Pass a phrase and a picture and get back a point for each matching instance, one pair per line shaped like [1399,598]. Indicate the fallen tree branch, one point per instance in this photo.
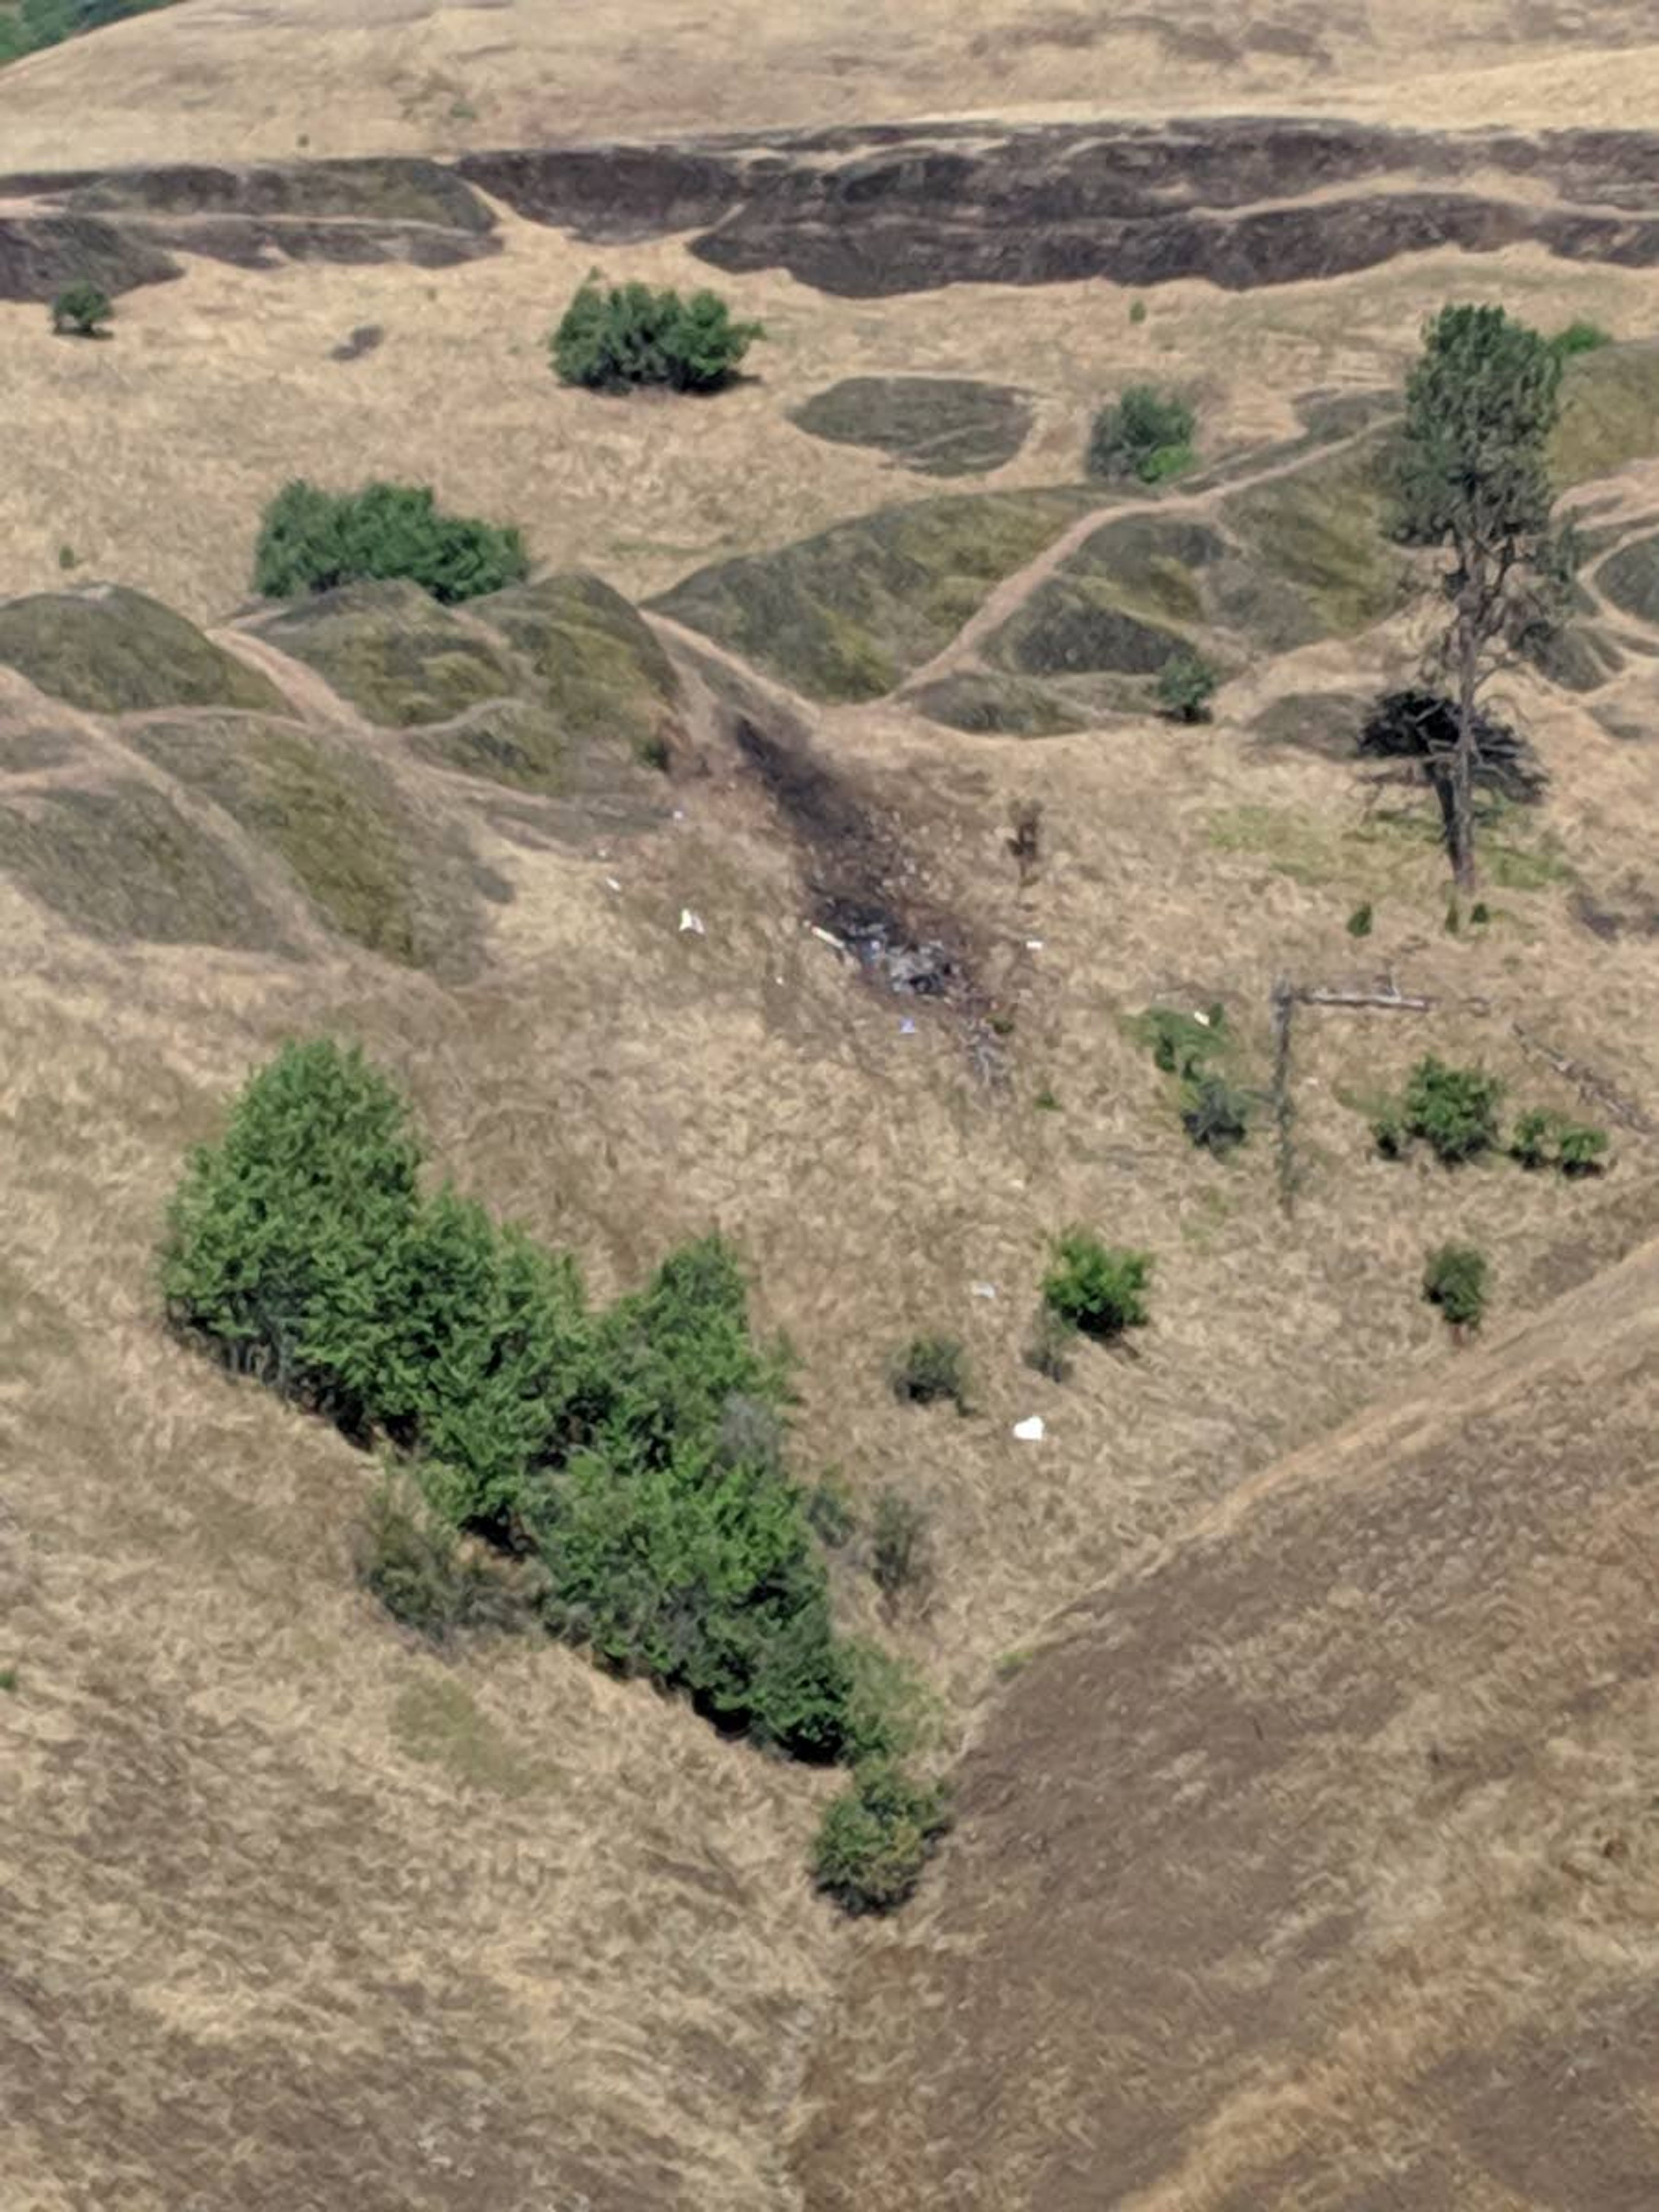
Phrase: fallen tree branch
[1588,1083]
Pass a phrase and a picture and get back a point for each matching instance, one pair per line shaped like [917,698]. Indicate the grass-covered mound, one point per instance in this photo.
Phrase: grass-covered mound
[597,671]
[939,426]
[1630,578]
[113,651]
[1609,412]
[989,705]
[634,1453]
[372,869]
[849,613]
[121,861]
[392,652]
[1321,532]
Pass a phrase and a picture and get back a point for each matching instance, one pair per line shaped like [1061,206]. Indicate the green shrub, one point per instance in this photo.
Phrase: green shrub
[876,1838]
[1054,1341]
[1455,1279]
[1098,1289]
[1147,434]
[829,1512]
[898,1543]
[1360,920]
[1186,685]
[1578,338]
[312,540]
[290,1244]
[627,336]
[1137,311]
[1542,1139]
[929,1368]
[1452,1110]
[80,311]
[1217,1114]
[636,1456]
[1181,1044]
[1581,1150]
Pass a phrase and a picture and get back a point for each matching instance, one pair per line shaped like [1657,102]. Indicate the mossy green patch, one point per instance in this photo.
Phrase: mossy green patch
[998,705]
[1077,624]
[393,652]
[1609,412]
[846,614]
[123,862]
[1320,531]
[335,818]
[1630,578]
[1385,855]
[113,651]
[599,676]
[438,1722]
[939,426]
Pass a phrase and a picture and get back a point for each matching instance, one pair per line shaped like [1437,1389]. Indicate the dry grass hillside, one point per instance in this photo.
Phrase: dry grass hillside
[298,1911]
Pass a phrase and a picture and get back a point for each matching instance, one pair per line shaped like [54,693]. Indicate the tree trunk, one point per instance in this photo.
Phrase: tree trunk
[1460,813]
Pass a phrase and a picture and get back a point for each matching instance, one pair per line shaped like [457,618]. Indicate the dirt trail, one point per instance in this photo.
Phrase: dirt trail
[1012,594]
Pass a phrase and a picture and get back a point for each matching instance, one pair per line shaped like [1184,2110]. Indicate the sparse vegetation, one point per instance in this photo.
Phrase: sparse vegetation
[1196,1049]
[1053,1345]
[1455,1279]
[1452,1110]
[1148,436]
[1098,1289]
[312,540]
[876,1838]
[1359,922]
[1579,336]
[931,1367]
[1186,685]
[619,337]
[9,1680]
[627,1452]
[81,311]
[425,1575]
[898,1543]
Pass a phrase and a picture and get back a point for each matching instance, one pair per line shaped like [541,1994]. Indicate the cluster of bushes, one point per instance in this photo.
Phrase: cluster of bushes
[1215,1111]
[622,337]
[1454,1111]
[1146,436]
[631,1458]
[312,540]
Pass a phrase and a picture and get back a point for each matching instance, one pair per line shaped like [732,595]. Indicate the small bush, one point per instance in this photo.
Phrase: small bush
[1455,1279]
[312,540]
[1360,920]
[1098,1289]
[1053,1345]
[1543,1139]
[876,1838]
[1137,311]
[1181,1044]
[898,1543]
[1452,1110]
[81,311]
[627,336]
[1186,685]
[929,1368]
[1581,1150]
[1217,1114]
[68,557]
[1147,434]
[1578,338]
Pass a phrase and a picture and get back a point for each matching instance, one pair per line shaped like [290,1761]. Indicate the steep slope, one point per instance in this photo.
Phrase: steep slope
[1318,1864]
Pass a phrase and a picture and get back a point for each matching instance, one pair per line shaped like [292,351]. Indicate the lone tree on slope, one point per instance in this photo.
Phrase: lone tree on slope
[1470,480]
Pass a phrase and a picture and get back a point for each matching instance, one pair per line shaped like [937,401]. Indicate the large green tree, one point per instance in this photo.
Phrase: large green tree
[1471,482]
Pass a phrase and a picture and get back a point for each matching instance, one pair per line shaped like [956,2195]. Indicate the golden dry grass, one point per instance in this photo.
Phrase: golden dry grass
[207,82]
[299,1915]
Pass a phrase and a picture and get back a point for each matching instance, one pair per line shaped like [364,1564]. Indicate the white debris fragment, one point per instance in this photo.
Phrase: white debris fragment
[907,1027]
[1201,1017]
[828,937]
[691,924]
[1034,945]
[611,884]
[1031,1431]
[985,1290]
